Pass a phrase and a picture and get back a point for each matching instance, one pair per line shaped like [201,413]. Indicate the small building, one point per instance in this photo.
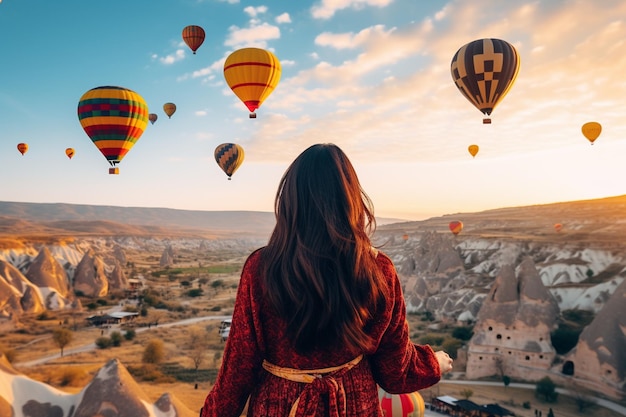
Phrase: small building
[118,317]
[465,408]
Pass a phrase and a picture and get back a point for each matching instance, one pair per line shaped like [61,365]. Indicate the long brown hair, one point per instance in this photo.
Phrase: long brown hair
[320,271]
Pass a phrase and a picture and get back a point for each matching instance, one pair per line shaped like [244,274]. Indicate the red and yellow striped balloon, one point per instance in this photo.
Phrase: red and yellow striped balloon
[401,405]
[114,118]
[229,156]
[252,74]
[456,227]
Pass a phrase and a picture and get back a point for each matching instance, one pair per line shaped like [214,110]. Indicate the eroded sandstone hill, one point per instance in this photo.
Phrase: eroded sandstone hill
[112,392]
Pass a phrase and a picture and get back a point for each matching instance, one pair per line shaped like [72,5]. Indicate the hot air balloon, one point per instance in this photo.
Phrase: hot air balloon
[558,227]
[153,117]
[229,157]
[169,109]
[69,152]
[456,227]
[473,150]
[401,405]
[592,130]
[405,236]
[484,71]
[193,37]
[252,74]
[22,147]
[114,118]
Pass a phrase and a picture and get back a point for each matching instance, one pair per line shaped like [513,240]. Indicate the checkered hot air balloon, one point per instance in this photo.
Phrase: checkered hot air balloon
[401,405]
[252,74]
[114,118]
[484,71]
[229,156]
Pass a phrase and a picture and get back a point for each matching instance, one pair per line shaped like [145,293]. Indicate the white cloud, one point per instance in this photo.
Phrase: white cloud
[252,36]
[255,11]
[350,40]
[283,18]
[200,113]
[171,58]
[327,8]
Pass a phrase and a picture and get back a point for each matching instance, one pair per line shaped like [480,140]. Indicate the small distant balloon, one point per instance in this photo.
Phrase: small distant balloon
[558,227]
[69,152]
[591,130]
[456,227]
[193,37]
[22,147]
[229,157]
[169,109]
[152,117]
[473,150]
[405,237]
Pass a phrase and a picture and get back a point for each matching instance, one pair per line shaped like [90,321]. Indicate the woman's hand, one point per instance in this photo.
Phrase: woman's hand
[445,361]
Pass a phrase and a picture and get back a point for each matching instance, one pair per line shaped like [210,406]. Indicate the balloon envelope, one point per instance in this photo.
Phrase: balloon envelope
[114,118]
[153,117]
[473,149]
[22,147]
[193,37]
[456,227]
[252,74]
[401,405]
[558,227]
[169,109]
[484,71]
[229,157]
[69,152]
[592,130]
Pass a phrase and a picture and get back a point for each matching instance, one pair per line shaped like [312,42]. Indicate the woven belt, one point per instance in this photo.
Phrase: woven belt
[324,380]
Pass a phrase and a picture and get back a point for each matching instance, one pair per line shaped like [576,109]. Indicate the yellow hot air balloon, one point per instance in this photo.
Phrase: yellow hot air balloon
[592,130]
[229,156]
[69,152]
[473,150]
[252,74]
[22,147]
[169,109]
[484,71]
[114,118]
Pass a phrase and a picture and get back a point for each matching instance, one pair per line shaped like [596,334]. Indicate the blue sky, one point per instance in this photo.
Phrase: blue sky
[372,76]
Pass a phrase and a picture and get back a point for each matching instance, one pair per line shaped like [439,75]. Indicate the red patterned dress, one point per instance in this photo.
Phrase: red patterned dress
[257,334]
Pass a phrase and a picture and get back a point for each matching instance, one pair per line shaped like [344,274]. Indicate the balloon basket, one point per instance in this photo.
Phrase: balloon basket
[114,171]
[487,121]
[253,115]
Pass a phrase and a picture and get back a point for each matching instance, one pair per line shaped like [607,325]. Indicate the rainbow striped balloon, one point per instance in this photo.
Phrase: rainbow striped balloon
[114,118]
[401,405]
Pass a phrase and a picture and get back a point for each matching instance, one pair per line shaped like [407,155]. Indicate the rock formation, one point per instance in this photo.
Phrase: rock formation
[90,276]
[512,332]
[167,258]
[599,359]
[46,271]
[113,393]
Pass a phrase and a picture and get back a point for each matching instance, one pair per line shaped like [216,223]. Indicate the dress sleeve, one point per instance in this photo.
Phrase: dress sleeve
[241,363]
[399,365]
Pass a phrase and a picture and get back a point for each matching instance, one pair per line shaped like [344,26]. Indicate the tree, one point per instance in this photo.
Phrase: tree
[62,337]
[197,349]
[116,338]
[550,412]
[467,393]
[547,389]
[154,352]
[506,380]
